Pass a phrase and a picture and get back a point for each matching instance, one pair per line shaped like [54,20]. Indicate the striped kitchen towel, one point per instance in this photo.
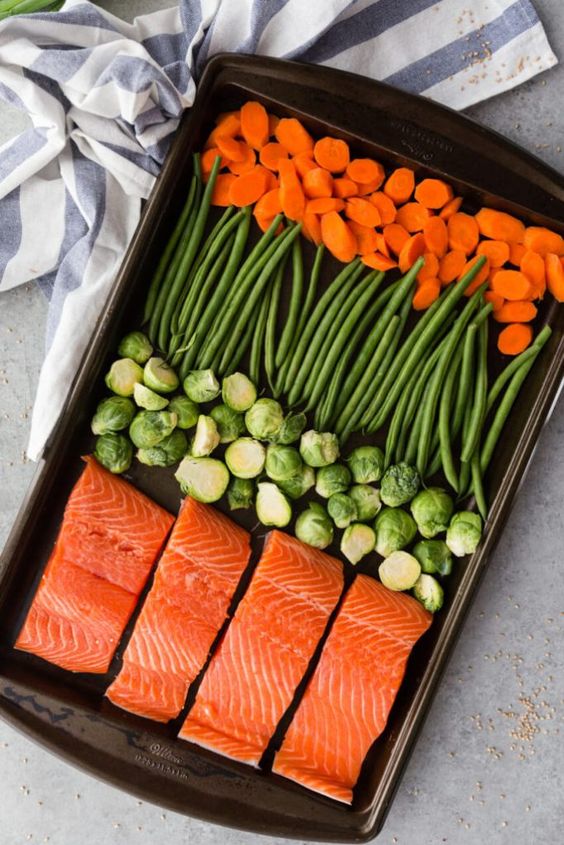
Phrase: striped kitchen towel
[105,96]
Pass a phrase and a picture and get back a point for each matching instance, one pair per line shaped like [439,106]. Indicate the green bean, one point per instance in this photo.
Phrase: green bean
[243,346]
[219,294]
[445,456]
[295,305]
[272,319]
[170,249]
[415,347]
[395,429]
[235,331]
[308,330]
[465,468]
[479,398]
[258,340]
[515,364]
[477,485]
[188,257]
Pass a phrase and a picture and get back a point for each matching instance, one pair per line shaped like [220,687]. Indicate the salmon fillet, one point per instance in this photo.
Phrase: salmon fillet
[110,537]
[194,585]
[348,700]
[264,655]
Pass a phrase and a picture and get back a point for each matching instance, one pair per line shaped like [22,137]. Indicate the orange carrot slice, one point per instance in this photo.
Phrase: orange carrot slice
[396,237]
[382,246]
[516,253]
[294,136]
[268,205]
[541,240]
[400,185]
[512,285]
[332,154]
[231,148]
[500,226]
[292,198]
[344,188]
[324,205]
[451,266]
[385,206]
[515,312]
[426,293]
[433,193]
[378,261]
[533,266]
[555,276]
[207,160]
[362,211]
[271,154]
[365,170]
[303,162]
[430,269]
[254,124]
[249,187]
[412,216]
[450,208]
[411,251]
[338,237]
[222,189]
[496,251]
[514,338]
[436,236]
[366,238]
[364,190]
[311,227]
[318,183]
[240,167]
[229,125]
[496,300]
[463,232]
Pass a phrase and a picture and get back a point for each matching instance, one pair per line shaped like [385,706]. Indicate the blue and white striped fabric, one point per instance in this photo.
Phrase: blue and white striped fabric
[104,98]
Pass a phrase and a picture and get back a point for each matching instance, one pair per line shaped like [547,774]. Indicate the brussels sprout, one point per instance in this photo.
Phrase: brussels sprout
[159,376]
[136,346]
[230,424]
[314,527]
[434,557]
[205,479]
[114,451]
[399,571]
[395,529]
[429,592]
[245,457]
[332,479]
[319,448]
[432,509]
[357,542]
[291,428]
[148,399]
[366,464]
[186,411]
[240,493]
[201,386]
[342,509]
[168,452]
[367,501]
[464,533]
[206,437]
[238,392]
[123,376]
[282,462]
[272,506]
[150,427]
[298,485]
[112,414]
[264,419]
[399,484]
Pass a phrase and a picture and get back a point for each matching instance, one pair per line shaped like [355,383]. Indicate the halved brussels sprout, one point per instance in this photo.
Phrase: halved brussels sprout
[399,484]
[291,428]
[136,346]
[342,509]
[399,571]
[114,451]
[395,529]
[272,506]
[366,464]
[148,399]
[264,419]
[186,411]
[112,414]
[201,386]
[123,376]
[240,493]
[434,556]
[150,427]
[238,392]
[245,457]
[464,533]
[282,462]
[319,448]
[314,527]
[230,424]
[168,452]
[429,592]
[367,501]
[206,437]
[298,485]
[205,479]
[432,509]
[357,541]
[334,478]
[159,376]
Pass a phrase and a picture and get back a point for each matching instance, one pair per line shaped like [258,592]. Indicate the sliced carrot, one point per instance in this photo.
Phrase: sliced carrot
[541,240]
[364,190]
[271,154]
[332,154]
[222,189]
[516,312]
[362,211]
[514,338]
[292,198]
[207,160]
[344,188]
[229,125]
[311,227]
[512,285]
[378,261]
[338,237]
[254,124]
[411,251]
[400,185]
[430,269]
[231,148]
[463,233]
[268,205]
[294,136]
[436,236]
[555,276]
[273,122]
[303,162]
[263,221]
[426,293]
[480,277]
[382,246]
[433,193]
[318,183]
[533,266]
[496,251]
[412,216]
[324,205]
[396,237]
[451,266]
[366,238]
[450,208]
[516,253]
[271,180]
[365,170]
[240,167]
[500,226]
[249,187]
[385,206]
[496,300]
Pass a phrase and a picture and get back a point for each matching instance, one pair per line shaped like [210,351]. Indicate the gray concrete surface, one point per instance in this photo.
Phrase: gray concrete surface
[488,766]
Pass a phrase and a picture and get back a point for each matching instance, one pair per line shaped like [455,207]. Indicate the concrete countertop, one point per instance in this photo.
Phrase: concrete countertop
[488,764]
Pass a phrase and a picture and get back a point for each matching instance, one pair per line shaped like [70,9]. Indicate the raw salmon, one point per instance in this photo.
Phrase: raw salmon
[108,542]
[188,603]
[347,702]
[253,676]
